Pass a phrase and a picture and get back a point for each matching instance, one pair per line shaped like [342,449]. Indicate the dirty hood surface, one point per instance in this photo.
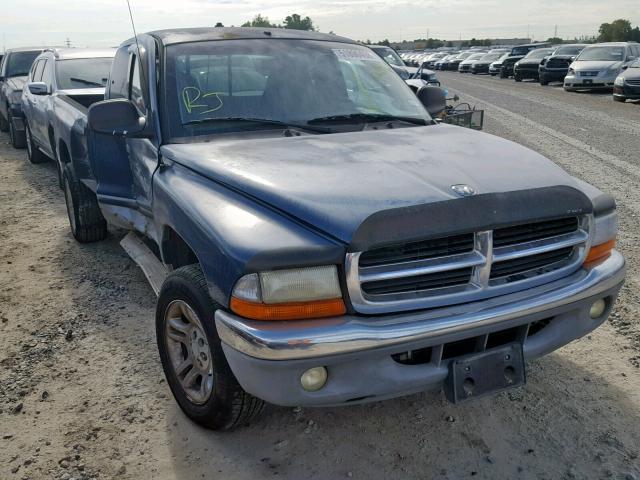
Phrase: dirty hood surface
[334,182]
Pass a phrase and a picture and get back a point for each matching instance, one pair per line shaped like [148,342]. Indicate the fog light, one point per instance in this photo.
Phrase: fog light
[314,379]
[598,308]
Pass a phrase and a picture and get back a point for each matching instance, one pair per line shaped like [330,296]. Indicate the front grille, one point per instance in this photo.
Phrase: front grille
[418,283]
[514,270]
[558,63]
[589,74]
[414,251]
[467,267]
[534,231]
[635,83]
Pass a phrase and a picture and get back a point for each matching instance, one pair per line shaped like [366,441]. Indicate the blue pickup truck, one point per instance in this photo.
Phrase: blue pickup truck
[324,241]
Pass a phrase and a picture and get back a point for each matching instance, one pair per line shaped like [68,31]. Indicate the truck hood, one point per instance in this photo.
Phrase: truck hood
[595,64]
[334,182]
[17,83]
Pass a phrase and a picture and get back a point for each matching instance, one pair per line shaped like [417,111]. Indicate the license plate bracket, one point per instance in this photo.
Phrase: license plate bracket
[485,373]
[587,81]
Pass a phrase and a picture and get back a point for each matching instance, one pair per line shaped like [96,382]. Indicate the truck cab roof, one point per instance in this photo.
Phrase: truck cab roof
[186,35]
[77,53]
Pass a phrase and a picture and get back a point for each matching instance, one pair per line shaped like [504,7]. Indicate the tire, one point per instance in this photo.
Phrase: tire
[4,125]
[567,89]
[493,74]
[184,323]
[503,74]
[85,218]
[517,77]
[619,99]
[34,154]
[543,80]
[17,140]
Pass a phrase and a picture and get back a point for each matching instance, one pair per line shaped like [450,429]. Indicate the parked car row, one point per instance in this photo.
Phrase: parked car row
[314,236]
[605,66]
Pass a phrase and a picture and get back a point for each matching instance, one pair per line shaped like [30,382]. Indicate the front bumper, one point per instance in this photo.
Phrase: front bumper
[526,72]
[599,82]
[268,358]
[553,74]
[631,92]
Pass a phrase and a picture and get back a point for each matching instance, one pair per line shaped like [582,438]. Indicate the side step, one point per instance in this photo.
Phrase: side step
[152,268]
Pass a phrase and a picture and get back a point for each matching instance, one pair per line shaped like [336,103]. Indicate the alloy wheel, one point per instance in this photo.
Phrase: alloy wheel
[189,351]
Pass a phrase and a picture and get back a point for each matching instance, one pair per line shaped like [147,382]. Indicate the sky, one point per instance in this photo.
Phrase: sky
[101,23]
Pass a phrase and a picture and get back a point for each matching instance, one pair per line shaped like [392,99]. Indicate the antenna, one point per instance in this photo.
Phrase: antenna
[133,26]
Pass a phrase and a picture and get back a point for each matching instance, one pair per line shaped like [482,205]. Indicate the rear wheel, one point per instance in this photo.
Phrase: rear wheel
[33,152]
[619,99]
[17,139]
[194,364]
[4,124]
[85,218]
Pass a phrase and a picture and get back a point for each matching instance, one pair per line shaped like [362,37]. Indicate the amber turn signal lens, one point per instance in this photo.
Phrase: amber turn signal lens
[600,252]
[288,311]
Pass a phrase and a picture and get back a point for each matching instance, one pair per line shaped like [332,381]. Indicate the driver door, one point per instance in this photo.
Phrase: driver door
[124,167]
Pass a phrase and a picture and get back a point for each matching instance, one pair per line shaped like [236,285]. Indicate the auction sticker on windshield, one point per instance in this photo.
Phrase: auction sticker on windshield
[354,54]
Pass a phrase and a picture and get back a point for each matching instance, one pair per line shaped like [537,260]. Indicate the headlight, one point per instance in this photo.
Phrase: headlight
[619,81]
[300,293]
[571,71]
[604,237]
[613,70]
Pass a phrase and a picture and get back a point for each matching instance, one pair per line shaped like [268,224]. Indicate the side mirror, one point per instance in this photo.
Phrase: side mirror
[117,117]
[433,98]
[38,88]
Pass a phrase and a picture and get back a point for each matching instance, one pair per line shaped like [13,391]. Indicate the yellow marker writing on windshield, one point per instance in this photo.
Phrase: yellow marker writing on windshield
[191,95]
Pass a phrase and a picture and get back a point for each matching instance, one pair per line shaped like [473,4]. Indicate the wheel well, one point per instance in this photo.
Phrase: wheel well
[175,251]
[65,157]
[52,141]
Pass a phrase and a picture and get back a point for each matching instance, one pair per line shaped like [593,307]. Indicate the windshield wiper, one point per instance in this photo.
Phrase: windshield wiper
[86,82]
[18,74]
[264,121]
[367,117]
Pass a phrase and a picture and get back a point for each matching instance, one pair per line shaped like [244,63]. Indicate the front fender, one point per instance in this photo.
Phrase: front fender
[233,235]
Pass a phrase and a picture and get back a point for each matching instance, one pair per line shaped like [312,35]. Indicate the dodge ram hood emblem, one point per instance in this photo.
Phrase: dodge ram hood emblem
[463,190]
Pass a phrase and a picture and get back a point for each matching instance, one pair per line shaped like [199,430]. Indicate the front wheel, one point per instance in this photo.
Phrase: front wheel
[543,80]
[191,352]
[17,139]
[85,218]
[619,99]
[34,154]
[517,77]
[4,124]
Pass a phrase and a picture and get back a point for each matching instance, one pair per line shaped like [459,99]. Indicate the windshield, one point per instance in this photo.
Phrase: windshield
[219,86]
[568,51]
[602,54]
[539,53]
[19,63]
[389,56]
[476,56]
[635,64]
[490,57]
[83,73]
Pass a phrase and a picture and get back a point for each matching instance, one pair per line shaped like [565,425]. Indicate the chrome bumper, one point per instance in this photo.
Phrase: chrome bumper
[335,336]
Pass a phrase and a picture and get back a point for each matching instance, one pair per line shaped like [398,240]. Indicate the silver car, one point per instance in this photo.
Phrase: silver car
[597,66]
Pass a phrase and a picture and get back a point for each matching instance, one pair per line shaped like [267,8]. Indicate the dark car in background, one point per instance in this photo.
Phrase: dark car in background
[517,54]
[555,67]
[527,68]
[627,84]
[454,63]
[390,56]
[482,64]
[496,67]
[14,69]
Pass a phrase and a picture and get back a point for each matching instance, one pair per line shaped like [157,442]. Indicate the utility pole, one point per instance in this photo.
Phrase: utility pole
[68,43]
[555,32]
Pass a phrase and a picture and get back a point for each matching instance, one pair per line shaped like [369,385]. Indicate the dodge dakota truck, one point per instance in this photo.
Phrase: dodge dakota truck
[14,68]
[61,86]
[324,241]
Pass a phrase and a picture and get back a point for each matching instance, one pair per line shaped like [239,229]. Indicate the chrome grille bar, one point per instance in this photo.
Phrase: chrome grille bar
[479,262]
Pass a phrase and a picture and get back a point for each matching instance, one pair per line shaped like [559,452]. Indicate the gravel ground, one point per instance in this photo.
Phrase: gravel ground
[82,393]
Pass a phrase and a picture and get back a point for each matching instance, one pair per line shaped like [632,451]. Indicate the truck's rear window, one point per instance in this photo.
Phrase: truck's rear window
[279,80]
[81,73]
[19,63]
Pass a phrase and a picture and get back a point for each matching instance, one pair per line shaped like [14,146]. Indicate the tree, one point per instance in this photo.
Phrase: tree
[260,22]
[296,22]
[219,24]
[555,40]
[617,31]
